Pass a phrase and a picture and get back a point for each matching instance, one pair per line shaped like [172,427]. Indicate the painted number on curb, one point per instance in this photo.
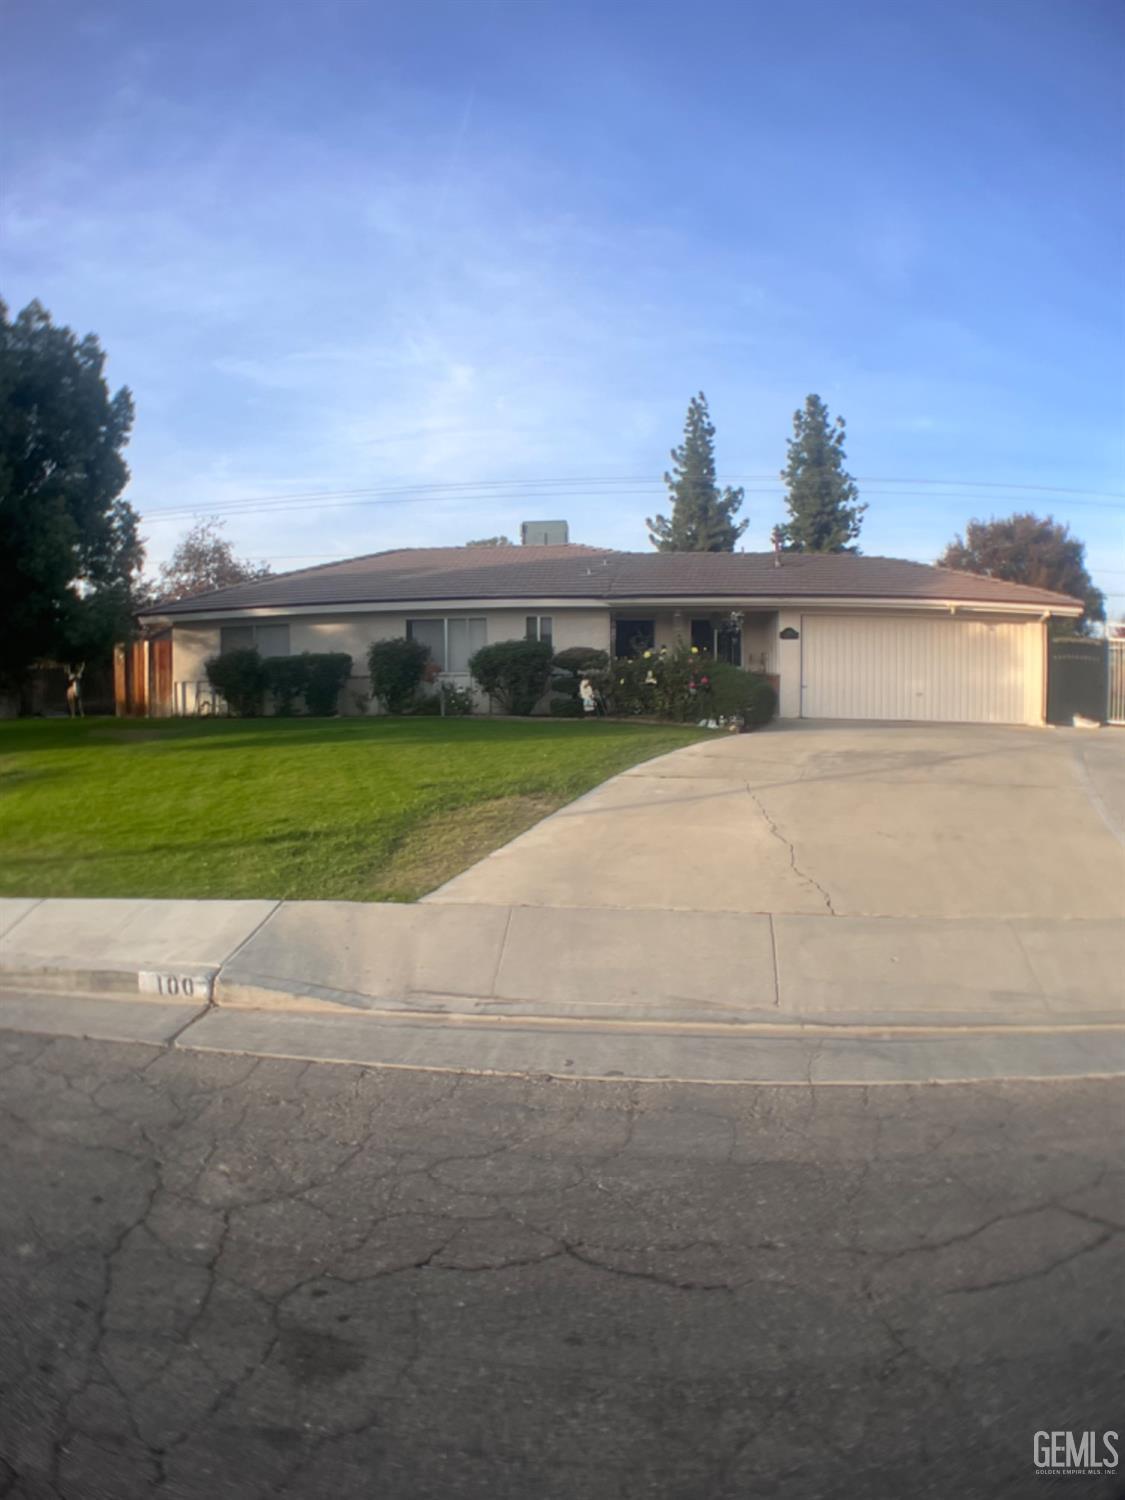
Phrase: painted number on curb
[175,986]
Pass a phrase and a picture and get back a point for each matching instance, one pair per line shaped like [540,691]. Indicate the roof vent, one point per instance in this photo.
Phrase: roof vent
[544,533]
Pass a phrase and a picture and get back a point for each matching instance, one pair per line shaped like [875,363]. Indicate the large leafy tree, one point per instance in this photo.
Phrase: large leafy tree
[823,501]
[203,560]
[69,549]
[703,515]
[1035,550]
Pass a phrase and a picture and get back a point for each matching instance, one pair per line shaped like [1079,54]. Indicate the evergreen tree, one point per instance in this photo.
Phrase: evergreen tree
[702,515]
[69,548]
[821,495]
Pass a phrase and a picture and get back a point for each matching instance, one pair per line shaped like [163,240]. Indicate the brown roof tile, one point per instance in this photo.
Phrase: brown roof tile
[437,574]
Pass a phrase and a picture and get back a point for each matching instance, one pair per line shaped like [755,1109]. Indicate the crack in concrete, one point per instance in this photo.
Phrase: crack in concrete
[793,865]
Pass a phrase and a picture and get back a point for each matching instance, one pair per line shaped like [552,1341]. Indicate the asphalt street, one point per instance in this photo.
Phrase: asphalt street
[229,1277]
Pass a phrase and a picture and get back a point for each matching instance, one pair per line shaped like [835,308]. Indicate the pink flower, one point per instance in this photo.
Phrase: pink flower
[706,681]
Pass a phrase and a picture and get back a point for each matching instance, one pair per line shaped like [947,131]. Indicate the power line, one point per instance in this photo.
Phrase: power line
[545,487]
[283,506]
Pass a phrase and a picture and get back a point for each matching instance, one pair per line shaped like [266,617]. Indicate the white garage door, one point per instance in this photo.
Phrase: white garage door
[911,667]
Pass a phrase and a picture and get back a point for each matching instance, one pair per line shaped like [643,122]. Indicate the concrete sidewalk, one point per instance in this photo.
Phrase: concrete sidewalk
[720,996]
[822,887]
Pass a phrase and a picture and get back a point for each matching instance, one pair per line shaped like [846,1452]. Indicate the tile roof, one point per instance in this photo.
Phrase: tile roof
[437,574]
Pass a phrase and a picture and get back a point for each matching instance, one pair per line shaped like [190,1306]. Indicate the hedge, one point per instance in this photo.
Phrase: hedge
[240,676]
[397,667]
[515,673]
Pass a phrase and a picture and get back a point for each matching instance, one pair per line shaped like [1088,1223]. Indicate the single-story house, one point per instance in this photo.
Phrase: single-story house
[842,636]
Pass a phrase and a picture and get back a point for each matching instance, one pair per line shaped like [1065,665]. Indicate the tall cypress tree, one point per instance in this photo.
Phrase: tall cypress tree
[702,515]
[822,497]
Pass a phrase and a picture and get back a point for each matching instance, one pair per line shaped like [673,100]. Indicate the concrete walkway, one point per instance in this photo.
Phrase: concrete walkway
[856,900]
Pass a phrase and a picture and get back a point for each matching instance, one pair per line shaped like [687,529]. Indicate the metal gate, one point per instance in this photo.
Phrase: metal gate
[1077,679]
[1115,707]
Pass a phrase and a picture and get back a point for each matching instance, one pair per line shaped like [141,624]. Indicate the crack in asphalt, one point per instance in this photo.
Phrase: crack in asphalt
[477,1195]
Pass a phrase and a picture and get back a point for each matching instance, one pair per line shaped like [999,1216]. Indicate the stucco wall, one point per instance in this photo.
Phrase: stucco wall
[355,633]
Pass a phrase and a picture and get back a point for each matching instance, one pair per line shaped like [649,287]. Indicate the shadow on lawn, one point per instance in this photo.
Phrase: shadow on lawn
[298,842]
[20,736]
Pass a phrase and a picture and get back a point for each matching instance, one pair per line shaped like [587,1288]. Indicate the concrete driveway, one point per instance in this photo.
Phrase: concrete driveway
[839,819]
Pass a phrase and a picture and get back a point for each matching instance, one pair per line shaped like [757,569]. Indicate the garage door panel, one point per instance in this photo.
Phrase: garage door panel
[958,671]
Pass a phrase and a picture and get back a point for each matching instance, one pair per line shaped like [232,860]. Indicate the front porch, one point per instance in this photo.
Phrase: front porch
[744,638]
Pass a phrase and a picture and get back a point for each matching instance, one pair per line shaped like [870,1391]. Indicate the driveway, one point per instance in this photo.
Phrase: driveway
[839,819]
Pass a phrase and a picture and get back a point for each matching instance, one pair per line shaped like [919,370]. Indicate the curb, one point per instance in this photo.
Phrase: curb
[605,991]
[621,1052]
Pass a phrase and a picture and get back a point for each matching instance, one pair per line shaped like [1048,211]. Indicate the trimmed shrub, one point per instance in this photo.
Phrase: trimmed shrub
[761,703]
[561,707]
[240,676]
[730,687]
[581,660]
[570,666]
[515,673]
[315,676]
[285,678]
[327,671]
[736,694]
[397,667]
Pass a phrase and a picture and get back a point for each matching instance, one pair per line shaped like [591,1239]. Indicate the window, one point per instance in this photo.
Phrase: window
[540,628]
[728,644]
[703,636]
[429,633]
[271,640]
[463,637]
[632,637]
[451,642]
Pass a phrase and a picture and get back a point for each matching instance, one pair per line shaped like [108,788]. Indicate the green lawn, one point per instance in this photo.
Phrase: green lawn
[306,809]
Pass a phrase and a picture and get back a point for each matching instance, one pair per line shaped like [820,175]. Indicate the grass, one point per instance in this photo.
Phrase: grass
[302,809]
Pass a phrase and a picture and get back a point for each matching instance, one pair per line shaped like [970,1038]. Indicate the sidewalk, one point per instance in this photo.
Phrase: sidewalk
[859,903]
[672,990]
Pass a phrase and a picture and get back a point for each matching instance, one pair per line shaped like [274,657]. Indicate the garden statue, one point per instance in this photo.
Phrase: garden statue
[588,696]
[74,691]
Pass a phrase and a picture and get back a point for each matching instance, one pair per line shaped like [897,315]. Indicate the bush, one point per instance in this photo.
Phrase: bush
[660,684]
[730,687]
[684,685]
[458,702]
[397,667]
[561,707]
[326,673]
[240,676]
[316,676]
[570,666]
[285,678]
[515,673]
[761,705]
[581,660]
[736,694]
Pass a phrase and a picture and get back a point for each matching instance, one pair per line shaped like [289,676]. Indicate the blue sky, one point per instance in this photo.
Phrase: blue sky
[472,259]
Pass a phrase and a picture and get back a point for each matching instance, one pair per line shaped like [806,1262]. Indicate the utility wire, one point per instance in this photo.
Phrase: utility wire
[284,504]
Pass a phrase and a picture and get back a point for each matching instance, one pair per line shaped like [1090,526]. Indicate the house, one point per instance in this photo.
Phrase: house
[842,636]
